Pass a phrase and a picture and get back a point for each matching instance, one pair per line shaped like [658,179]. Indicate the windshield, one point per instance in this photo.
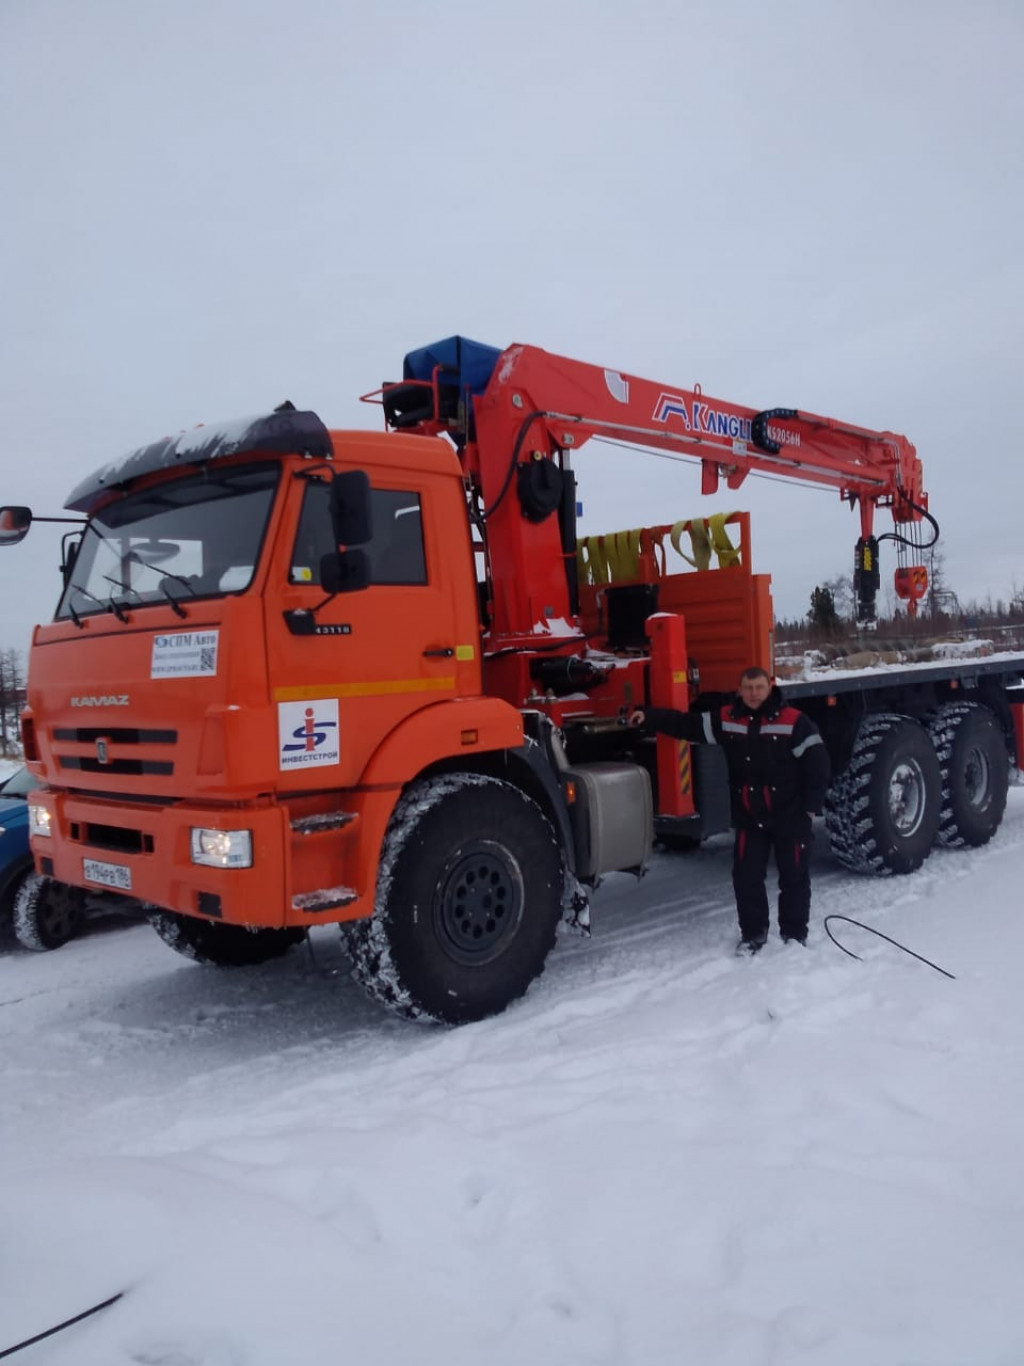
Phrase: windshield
[196,537]
[19,784]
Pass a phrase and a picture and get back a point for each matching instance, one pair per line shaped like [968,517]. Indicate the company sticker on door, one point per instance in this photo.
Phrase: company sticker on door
[185,654]
[308,733]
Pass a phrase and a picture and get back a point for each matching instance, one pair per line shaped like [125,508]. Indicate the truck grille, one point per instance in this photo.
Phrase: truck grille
[129,766]
[106,741]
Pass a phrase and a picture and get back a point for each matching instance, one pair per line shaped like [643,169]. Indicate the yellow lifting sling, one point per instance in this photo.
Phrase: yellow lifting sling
[615,557]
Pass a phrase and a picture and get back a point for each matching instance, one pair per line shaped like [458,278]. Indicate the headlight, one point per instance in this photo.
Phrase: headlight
[39,820]
[222,848]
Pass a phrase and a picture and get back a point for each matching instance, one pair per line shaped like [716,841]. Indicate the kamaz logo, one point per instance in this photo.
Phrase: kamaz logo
[111,700]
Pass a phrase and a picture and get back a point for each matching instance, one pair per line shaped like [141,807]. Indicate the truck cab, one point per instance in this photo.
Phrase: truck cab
[202,696]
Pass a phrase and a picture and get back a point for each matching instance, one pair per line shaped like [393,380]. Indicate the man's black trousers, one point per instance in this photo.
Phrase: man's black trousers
[791,844]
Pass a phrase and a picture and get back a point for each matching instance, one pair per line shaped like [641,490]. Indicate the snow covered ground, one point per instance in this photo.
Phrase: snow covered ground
[663,1155]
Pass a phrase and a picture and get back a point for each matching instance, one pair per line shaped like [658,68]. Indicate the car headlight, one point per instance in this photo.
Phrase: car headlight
[222,848]
[39,820]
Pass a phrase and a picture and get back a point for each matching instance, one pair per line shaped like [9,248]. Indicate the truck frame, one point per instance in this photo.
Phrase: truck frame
[300,676]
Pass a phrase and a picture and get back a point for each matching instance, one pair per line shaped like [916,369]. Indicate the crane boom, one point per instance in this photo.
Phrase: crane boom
[517,416]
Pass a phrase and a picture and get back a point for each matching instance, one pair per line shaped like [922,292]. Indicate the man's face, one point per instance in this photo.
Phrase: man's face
[754,691]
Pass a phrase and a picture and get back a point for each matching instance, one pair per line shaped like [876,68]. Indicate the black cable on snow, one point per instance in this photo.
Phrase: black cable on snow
[18,1346]
[871,930]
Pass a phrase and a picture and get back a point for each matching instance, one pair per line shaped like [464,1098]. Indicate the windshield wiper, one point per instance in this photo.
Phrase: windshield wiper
[175,604]
[178,578]
[127,588]
[133,557]
[110,605]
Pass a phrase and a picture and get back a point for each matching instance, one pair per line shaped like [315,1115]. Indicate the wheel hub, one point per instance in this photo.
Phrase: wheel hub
[907,797]
[479,902]
[978,780]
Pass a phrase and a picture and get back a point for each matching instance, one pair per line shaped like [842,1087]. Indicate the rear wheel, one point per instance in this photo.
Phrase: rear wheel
[882,812]
[222,946]
[47,913]
[975,768]
[468,901]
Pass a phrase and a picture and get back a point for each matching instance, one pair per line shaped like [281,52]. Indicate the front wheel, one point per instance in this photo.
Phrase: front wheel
[47,913]
[468,901]
[222,946]
[882,812]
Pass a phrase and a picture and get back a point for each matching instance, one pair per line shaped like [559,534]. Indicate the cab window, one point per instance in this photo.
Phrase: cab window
[396,551]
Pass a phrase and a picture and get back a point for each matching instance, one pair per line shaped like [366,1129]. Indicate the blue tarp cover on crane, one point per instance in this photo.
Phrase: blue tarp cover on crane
[471,362]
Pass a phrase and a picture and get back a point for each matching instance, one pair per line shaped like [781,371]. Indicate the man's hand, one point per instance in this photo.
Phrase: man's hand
[637,717]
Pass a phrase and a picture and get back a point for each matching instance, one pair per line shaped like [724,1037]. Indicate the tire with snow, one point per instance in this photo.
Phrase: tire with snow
[16,879]
[47,913]
[975,768]
[882,812]
[468,901]
[222,946]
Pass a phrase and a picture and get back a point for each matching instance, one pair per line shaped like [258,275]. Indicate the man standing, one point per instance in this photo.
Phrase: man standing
[778,776]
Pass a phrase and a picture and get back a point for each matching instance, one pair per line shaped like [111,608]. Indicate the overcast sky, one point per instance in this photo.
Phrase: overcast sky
[211,205]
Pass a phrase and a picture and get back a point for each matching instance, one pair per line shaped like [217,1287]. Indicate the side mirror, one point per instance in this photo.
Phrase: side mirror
[346,571]
[14,524]
[351,510]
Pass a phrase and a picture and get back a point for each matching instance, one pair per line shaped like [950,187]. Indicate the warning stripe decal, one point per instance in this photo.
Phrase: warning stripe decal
[370,688]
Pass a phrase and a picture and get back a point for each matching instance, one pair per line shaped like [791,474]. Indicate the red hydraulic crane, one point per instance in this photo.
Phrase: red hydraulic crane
[517,416]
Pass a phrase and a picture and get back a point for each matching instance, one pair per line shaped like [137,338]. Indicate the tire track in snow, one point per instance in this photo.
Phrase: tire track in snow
[678,925]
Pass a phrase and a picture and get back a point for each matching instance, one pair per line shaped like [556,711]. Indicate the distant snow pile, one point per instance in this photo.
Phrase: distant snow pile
[963,649]
[813,663]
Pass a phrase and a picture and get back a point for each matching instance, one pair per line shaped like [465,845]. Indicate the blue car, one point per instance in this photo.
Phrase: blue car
[37,911]
[15,859]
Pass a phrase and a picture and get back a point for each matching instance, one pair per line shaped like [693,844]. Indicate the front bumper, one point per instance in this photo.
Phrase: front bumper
[153,844]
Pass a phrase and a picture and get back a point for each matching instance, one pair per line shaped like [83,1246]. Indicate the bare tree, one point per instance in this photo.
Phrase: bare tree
[12,699]
[942,600]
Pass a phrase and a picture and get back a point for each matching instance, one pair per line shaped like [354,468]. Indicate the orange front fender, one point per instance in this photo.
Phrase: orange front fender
[447,730]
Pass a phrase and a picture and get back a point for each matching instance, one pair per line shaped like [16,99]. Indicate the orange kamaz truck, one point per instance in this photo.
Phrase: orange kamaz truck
[300,676]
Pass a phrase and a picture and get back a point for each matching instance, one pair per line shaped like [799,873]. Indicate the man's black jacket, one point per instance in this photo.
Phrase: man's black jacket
[778,765]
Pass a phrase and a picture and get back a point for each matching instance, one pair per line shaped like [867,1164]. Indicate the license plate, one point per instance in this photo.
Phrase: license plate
[107,874]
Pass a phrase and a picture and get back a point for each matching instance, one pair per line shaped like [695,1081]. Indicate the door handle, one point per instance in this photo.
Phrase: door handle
[443,652]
